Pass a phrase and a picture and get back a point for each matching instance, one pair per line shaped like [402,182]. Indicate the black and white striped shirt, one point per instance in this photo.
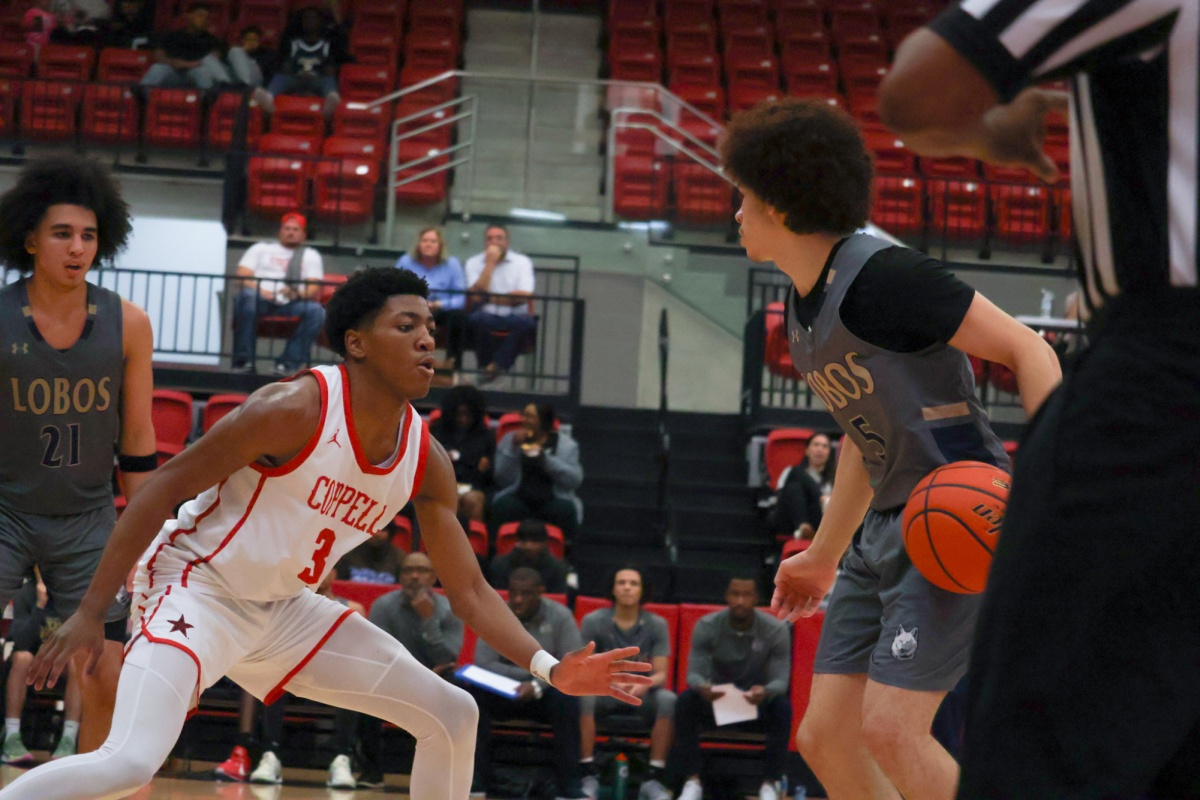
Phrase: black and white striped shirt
[1134,116]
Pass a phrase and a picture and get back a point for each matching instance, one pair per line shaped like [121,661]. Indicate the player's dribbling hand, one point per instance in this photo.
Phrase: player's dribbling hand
[800,584]
[585,672]
[79,632]
[1016,133]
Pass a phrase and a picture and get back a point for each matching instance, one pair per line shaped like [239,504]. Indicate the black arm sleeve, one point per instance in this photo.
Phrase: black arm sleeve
[904,301]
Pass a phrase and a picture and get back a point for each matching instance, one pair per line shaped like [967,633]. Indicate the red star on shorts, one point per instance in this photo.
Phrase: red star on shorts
[180,626]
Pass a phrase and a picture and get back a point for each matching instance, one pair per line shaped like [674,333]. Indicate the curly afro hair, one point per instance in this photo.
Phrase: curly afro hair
[359,300]
[804,158]
[70,180]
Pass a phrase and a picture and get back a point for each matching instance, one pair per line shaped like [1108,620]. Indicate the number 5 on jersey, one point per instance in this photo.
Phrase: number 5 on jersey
[325,540]
[860,424]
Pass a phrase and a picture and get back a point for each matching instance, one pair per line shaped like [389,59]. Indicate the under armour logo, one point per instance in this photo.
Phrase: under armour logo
[180,626]
[795,336]
[20,348]
[333,439]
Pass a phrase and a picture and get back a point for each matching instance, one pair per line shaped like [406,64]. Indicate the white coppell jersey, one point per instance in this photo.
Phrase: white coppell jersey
[265,533]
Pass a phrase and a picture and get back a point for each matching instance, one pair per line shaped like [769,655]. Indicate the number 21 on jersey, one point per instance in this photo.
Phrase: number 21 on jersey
[325,540]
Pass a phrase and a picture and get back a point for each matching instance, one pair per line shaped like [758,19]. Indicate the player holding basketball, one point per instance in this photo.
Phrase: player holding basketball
[300,474]
[77,385]
[880,333]
[1084,677]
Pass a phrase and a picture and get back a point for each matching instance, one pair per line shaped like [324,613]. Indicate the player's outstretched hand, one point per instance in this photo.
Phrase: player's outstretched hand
[79,632]
[800,584]
[584,672]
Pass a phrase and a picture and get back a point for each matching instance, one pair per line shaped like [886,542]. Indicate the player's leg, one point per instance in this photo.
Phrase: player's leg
[68,741]
[362,668]
[831,740]
[152,702]
[13,750]
[896,727]
[99,694]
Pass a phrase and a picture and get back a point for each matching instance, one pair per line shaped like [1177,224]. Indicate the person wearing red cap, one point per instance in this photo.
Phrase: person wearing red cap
[278,271]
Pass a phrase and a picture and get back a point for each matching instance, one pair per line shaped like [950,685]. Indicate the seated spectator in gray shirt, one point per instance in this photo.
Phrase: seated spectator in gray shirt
[532,550]
[421,620]
[627,624]
[553,625]
[751,650]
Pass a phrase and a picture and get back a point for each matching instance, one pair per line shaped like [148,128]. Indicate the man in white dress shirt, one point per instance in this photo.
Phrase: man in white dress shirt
[503,282]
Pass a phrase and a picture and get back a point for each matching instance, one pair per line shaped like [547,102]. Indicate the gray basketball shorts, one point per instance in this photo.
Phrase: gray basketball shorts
[66,549]
[884,619]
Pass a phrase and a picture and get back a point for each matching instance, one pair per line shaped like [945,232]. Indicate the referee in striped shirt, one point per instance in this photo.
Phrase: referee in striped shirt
[1085,678]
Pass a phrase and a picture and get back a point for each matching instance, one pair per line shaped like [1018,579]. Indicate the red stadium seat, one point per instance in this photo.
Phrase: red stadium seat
[627,10]
[690,43]
[785,448]
[965,168]
[423,52]
[634,36]
[403,534]
[748,46]
[360,592]
[110,114]
[685,13]
[171,412]
[636,66]
[811,79]
[64,62]
[221,118]
[701,196]
[799,17]
[437,20]
[777,357]
[344,190]
[891,156]
[864,82]
[349,147]
[637,141]
[898,206]
[862,55]
[173,118]
[16,60]
[508,423]
[362,123]
[751,83]
[1022,213]
[855,21]
[1062,213]
[806,632]
[419,117]
[276,185]
[689,615]
[298,116]
[793,546]
[477,535]
[804,49]
[736,15]
[218,406]
[373,47]
[640,187]
[8,103]
[438,92]
[379,18]
[123,66]
[506,539]
[49,110]
[903,21]
[365,82]
[958,209]
[290,144]
[425,190]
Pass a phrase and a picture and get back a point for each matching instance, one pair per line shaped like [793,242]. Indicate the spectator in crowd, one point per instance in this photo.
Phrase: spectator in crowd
[463,431]
[553,626]
[190,56]
[38,23]
[421,620]
[280,267]
[803,491]
[308,66]
[502,280]
[538,471]
[627,624]
[250,61]
[447,288]
[374,561]
[751,650]
[33,620]
[531,551]
[271,719]
[128,27]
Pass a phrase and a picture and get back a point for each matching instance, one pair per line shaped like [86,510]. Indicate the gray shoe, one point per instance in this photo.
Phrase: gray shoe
[590,786]
[14,751]
[66,747]
[653,790]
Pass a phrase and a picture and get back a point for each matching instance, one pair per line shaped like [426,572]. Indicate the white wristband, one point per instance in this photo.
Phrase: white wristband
[541,665]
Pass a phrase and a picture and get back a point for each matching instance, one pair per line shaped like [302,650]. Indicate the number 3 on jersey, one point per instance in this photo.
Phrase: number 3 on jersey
[325,540]
[860,424]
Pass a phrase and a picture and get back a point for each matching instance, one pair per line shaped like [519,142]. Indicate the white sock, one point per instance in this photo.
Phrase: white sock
[12,725]
[587,760]
[658,763]
[71,730]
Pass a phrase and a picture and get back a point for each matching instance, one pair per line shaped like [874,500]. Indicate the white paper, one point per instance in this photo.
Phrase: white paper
[500,684]
[733,707]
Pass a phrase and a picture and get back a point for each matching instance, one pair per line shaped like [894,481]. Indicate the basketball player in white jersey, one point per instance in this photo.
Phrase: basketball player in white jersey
[303,472]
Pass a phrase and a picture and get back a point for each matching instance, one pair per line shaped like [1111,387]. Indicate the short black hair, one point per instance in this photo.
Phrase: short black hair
[494,225]
[532,530]
[250,29]
[526,574]
[462,395]
[745,575]
[359,300]
[57,180]
[612,581]
[804,158]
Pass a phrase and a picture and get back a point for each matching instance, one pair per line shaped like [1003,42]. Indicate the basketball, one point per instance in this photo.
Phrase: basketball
[952,523]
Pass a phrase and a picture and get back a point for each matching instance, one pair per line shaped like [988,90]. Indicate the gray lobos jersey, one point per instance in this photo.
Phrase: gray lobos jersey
[908,413]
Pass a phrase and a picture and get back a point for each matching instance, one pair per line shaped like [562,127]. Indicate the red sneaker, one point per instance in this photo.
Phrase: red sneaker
[236,767]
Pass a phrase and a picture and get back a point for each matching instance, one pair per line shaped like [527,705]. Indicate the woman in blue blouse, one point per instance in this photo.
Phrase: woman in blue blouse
[447,288]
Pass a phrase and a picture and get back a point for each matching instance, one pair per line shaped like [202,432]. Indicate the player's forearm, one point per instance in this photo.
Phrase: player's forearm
[1037,369]
[848,504]
[481,609]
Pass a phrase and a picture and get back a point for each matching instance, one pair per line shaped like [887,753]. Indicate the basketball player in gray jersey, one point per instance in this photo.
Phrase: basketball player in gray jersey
[75,388]
[881,334]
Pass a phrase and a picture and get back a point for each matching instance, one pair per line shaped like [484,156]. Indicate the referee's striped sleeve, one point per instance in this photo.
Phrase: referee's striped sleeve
[1017,42]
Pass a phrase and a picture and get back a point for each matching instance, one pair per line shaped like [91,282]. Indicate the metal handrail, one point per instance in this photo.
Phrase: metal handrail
[610,211]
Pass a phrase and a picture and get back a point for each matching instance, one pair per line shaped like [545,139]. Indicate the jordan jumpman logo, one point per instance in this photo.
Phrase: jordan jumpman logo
[333,438]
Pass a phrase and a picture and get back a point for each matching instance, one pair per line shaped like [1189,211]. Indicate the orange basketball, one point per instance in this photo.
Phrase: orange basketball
[952,522]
